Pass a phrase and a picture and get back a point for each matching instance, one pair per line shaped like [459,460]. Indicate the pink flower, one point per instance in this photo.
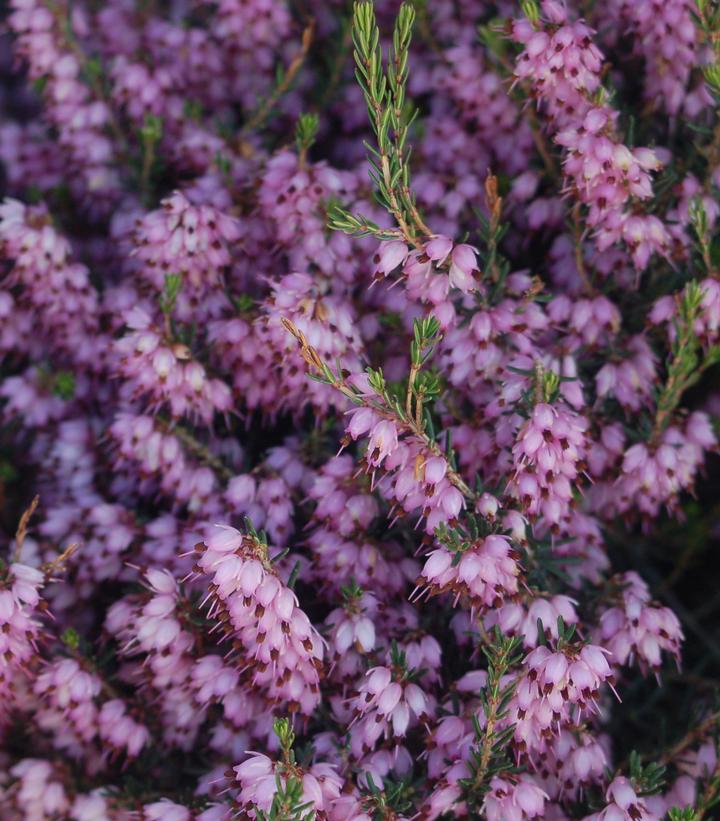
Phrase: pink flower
[383,441]
[390,255]
[463,268]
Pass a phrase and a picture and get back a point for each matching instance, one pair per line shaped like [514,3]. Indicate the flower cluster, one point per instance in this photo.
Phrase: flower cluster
[635,629]
[564,65]
[181,238]
[262,614]
[486,572]
[665,37]
[19,598]
[385,706]
[81,118]
[548,456]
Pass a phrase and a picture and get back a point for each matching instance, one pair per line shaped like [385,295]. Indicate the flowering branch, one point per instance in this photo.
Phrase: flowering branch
[388,407]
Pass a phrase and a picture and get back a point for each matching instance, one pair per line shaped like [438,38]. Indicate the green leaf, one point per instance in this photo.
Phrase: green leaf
[173,284]
[306,131]
[64,385]
[151,130]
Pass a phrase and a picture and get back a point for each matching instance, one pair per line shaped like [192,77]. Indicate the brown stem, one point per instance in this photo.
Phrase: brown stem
[579,237]
[198,449]
[709,793]
[22,528]
[395,208]
[417,219]
[487,742]
[409,235]
[453,476]
[264,110]
[414,370]
[551,167]
[52,567]
[419,410]
[690,738]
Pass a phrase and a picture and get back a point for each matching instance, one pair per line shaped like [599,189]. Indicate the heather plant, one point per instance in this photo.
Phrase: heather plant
[359,409]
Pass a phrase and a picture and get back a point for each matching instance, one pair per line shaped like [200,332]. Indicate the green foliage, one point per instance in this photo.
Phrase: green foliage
[685,365]
[173,284]
[150,136]
[287,803]
[259,536]
[294,573]
[193,109]
[426,335]
[376,380]
[64,385]
[698,217]
[384,91]
[339,219]
[59,383]
[152,129]
[244,303]
[285,735]
[701,228]
[544,566]
[493,38]
[306,131]
[459,539]
[398,657]
[428,385]
[92,69]
[711,74]
[685,814]
[39,84]
[8,472]
[707,20]
[351,592]
[71,639]
[545,386]
[387,800]
[224,166]
[531,10]
[490,754]
[548,385]
[648,779]
[422,384]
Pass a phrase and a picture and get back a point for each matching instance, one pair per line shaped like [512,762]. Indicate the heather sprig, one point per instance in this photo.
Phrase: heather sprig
[708,19]
[490,754]
[384,89]
[305,133]
[647,779]
[288,803]
[687,361]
